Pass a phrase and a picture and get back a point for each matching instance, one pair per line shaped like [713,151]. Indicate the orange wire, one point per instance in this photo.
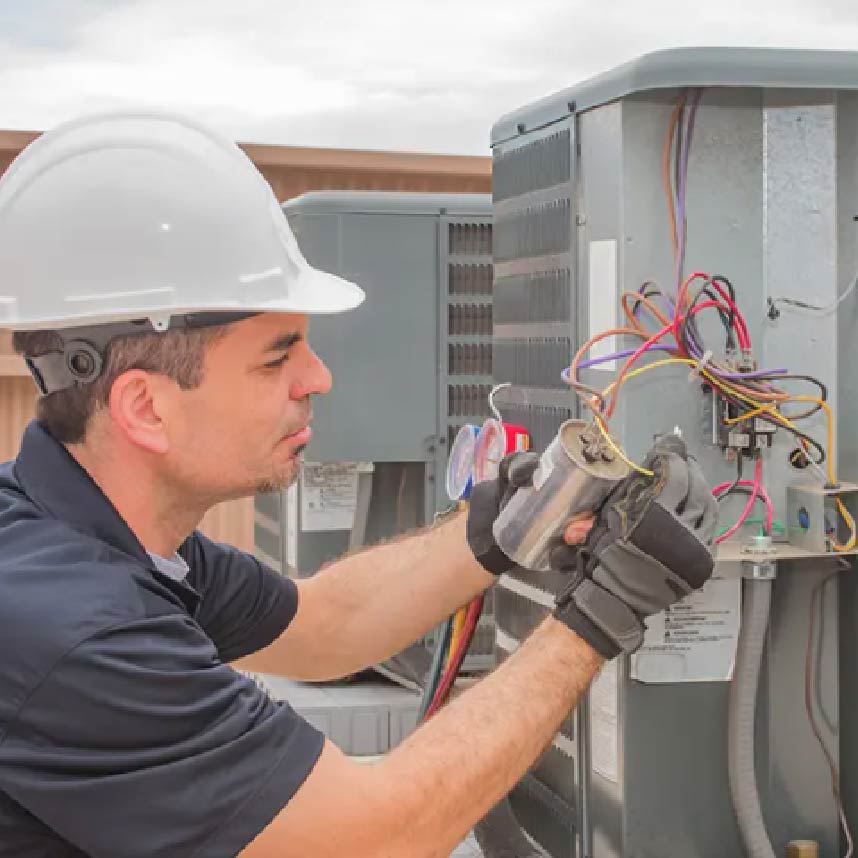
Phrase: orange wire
[640,299]
[612,332]
[665,173]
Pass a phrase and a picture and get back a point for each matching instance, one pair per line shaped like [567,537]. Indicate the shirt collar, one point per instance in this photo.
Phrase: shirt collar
[173,567]
[54,481]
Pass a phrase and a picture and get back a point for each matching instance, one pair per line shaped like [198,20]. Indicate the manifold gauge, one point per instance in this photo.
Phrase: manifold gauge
[495,440]
[460,466]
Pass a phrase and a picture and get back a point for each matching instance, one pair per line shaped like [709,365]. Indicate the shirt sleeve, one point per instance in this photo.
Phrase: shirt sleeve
[245,605]
[141,742]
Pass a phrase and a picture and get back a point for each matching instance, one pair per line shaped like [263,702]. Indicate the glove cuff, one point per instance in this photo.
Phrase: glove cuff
[587,630]
[493,560]
[604,621]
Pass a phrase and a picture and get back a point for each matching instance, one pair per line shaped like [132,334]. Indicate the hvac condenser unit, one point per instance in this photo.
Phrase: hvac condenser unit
[410,367]
[741,164]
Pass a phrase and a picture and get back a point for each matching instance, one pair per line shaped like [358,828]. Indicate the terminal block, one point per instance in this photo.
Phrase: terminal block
[742,438]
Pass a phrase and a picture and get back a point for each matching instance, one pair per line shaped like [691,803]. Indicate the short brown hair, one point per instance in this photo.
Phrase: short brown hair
[178,354]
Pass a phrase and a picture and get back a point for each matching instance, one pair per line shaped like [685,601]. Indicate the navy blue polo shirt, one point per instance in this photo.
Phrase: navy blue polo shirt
[124,732]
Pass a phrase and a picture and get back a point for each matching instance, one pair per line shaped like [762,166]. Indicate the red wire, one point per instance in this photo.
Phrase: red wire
[458,657]
[755,490]
[762,495]
[672,327]
[739,322]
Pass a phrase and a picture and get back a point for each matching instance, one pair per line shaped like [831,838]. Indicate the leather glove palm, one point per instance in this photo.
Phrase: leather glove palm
[487,500]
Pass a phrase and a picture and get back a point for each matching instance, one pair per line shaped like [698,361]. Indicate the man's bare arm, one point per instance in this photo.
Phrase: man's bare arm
[362,609]
[426,795]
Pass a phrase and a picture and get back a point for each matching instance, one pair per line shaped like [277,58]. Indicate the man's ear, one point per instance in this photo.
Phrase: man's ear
[136,406]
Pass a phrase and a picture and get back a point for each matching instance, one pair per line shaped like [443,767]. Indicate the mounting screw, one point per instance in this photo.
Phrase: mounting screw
[774,312]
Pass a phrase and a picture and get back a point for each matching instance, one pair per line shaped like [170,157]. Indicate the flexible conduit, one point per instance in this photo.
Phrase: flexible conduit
[743,704]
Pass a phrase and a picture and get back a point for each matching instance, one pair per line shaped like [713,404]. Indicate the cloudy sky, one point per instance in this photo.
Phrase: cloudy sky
[428,75]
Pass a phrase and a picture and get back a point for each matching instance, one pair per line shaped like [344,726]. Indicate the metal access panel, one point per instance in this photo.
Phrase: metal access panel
[409,366]
[771,204]
[534,192]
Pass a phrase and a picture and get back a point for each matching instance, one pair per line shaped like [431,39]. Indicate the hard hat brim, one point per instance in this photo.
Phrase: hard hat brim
[313,292]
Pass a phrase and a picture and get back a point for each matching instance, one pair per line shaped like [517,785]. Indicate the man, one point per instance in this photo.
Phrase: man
[162,306]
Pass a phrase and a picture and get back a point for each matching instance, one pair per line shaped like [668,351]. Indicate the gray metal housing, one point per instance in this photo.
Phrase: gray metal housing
[409,366]
[773,193]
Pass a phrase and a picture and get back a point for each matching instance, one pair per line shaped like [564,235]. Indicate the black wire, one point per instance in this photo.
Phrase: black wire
[735,484]
[689,334]
[823,391]
[745,490]
[744,409]
[688,329]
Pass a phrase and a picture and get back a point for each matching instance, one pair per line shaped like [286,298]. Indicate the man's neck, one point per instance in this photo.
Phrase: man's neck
[160,521]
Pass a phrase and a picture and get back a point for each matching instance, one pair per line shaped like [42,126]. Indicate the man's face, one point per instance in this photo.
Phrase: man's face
[244,428]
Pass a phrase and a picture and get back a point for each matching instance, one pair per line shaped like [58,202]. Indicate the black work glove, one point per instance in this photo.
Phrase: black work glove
[651,545]
[487,500]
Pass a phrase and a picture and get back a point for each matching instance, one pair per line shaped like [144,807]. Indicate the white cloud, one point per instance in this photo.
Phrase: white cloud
[377,74]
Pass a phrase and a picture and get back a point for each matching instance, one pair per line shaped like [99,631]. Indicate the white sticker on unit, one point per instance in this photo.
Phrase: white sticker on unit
[695,640]
[291,500]
[603,298]
[604,723]
[328,496]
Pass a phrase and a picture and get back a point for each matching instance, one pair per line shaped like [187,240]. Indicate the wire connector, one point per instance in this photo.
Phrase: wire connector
[699,368]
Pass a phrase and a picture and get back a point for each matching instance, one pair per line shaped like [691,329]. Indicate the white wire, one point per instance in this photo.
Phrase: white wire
[845,825]
[819,312]
[492,405]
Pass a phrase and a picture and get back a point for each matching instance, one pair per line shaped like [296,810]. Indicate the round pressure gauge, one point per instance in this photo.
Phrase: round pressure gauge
[460,467]
[490,449]
[495,440]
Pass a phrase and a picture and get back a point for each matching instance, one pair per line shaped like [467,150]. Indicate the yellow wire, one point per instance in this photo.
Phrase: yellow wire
[758,409]
[458,626]
[853,531]
[772,410]
[600,423]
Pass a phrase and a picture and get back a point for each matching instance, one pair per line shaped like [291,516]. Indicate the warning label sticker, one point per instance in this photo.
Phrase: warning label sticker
[328,496]
[694,640]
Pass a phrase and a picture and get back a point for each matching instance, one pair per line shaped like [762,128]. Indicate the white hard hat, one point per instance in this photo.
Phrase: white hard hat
[126,216]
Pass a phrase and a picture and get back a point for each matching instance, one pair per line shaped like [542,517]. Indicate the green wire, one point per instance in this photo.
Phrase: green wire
[433,679]
[776,525]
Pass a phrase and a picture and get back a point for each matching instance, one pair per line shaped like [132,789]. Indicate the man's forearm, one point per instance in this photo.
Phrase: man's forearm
[477,748]
[424,797]
[368,606]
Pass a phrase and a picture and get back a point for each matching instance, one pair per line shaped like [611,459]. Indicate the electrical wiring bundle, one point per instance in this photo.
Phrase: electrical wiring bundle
[751,403]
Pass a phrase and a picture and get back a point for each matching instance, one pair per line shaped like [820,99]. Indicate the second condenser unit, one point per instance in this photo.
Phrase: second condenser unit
[410,367]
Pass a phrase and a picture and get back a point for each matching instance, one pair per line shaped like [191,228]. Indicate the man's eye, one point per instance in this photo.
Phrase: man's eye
[274,364]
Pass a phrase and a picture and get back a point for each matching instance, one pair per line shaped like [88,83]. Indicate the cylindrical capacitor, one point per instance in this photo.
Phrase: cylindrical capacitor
[575,475]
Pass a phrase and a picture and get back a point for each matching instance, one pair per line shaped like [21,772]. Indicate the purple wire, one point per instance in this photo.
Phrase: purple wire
[684,155]
[629,352]
[623,354]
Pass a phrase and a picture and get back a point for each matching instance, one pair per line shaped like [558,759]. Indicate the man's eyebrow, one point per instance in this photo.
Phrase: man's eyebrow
[284,342]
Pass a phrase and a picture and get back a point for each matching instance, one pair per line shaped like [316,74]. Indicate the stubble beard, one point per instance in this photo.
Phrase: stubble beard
[288,476]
